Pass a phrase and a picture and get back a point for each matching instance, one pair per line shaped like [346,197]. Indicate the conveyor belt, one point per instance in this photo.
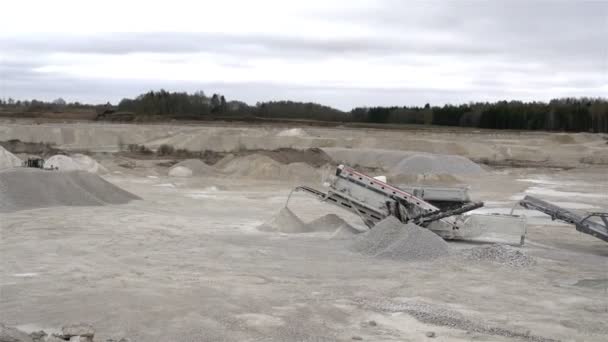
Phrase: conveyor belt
[583,224]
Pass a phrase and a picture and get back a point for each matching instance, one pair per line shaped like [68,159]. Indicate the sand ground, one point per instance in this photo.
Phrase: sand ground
[187,264]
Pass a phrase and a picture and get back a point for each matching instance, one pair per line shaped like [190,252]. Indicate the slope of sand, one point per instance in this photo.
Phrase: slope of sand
[8,160]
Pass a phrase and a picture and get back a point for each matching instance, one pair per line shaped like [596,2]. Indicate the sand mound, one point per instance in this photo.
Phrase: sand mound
[425,179]
[262,167]
[22,189]
[400,165]
[190,167]
[500,254]
[437,164]
[330,223]
[393,240]
[180,171]
[8,160]
[285,222]
[86,163]
[61,163]
[293,132]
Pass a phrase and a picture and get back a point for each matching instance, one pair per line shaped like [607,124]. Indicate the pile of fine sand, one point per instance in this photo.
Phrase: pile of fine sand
[86,163]
[77,162]
[190,167]
[258,166]
[285,222]
[180,171]
[394,240]
[292,132]
[436,164]
[404,166]
[8,160]
[61,163]
[334,224]
[29,188]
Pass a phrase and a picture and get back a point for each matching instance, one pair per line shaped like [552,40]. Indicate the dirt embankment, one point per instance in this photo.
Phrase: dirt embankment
[17,146]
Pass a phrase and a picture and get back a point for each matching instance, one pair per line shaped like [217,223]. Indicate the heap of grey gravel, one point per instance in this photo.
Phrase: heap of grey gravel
[500,254]
[391,239]
[28,188]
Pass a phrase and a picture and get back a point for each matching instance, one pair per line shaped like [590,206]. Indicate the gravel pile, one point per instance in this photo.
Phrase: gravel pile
[28,188]
[8,160]
[394,240]
[500,254]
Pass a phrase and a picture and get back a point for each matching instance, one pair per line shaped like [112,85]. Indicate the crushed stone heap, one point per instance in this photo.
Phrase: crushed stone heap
[28,188]
[391,239]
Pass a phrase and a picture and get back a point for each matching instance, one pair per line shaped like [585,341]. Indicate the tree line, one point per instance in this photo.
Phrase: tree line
[564,114]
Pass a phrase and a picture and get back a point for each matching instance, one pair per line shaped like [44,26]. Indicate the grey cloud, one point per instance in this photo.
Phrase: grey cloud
[262,45]
[534,40]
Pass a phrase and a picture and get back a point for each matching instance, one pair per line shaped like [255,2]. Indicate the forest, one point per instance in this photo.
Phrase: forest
[562,114]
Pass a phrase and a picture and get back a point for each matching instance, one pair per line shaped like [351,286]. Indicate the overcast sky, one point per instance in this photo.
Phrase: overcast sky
[343,53]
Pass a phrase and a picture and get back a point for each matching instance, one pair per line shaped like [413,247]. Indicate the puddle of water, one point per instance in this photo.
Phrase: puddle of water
[505,211]
[572,205]
[165,185]
[597,284]
[551,182]
[25,275]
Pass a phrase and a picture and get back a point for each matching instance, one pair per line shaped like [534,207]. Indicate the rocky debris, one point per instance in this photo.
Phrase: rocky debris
[54,338]
[79,332]
[441,316]
[38,336]
[8,160]
[10,334]
[430,334]
[500,254]
[79,329]
[394,240]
